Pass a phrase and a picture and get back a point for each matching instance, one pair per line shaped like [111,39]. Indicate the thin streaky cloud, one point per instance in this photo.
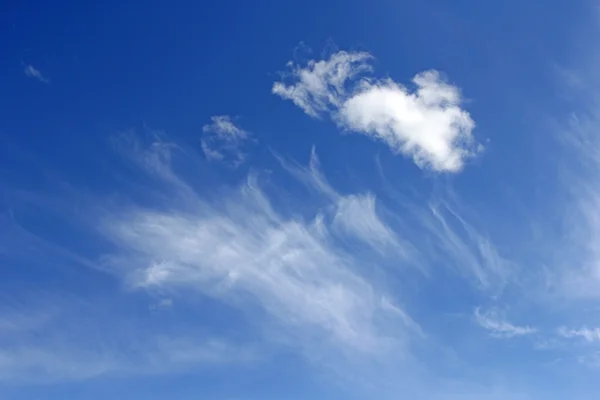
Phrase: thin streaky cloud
[353,215]
[34,73]
[588,334]
[495,323]
[36,361]
[80,343]
[447,237]
[242,247]
[575,266]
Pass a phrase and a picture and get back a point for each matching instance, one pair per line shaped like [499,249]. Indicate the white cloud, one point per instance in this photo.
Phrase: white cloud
[574,250]
[209,153]
[242,251]
[311,176]
[77,345]
[320,85]
[39,362]
[295,277]
[436,230]
[223,140]
[498,326]
[225,129]
[32,72]
[162,304]
[43,365]
[590,335]
[354,215]
[590,360]
[575,264]
[458,243]
[249,250]
[427,124]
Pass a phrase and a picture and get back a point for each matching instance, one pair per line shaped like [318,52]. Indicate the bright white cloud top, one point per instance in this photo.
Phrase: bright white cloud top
[427,124]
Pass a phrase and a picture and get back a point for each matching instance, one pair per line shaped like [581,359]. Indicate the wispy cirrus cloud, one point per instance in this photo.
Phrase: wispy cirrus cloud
[223,140]
[356,215]
[34,73]
[574,267]
[77,345]
[426,124]
[51,361]
[292,269]
[588,334]
[470,251]
[495,322]
[578,276]
[444,231]
[301,280]
[352,215]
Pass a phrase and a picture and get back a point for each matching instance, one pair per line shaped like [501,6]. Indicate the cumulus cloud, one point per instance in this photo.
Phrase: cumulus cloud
[426,124]
[222,140]
[34,73]
[494,322]
[320,85]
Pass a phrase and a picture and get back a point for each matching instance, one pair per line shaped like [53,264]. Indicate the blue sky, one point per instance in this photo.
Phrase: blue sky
[310,200]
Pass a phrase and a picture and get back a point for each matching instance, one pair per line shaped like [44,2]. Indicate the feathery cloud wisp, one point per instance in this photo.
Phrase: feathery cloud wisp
[32,72]
[354,215]
[223,140]
[321,85]
[76,347]
[498,326]
[590,335]
[242,248]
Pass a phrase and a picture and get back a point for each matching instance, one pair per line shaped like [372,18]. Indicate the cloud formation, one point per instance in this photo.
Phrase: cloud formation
[590,335]
[222,140]
[320,86]
[32,72]
[465,247]
[353,215]
[494,322]
[426,124]
[315,280]
[243,252]
[76,345]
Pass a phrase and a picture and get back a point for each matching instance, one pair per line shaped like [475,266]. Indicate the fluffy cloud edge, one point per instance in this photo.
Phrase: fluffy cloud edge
[426,124]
